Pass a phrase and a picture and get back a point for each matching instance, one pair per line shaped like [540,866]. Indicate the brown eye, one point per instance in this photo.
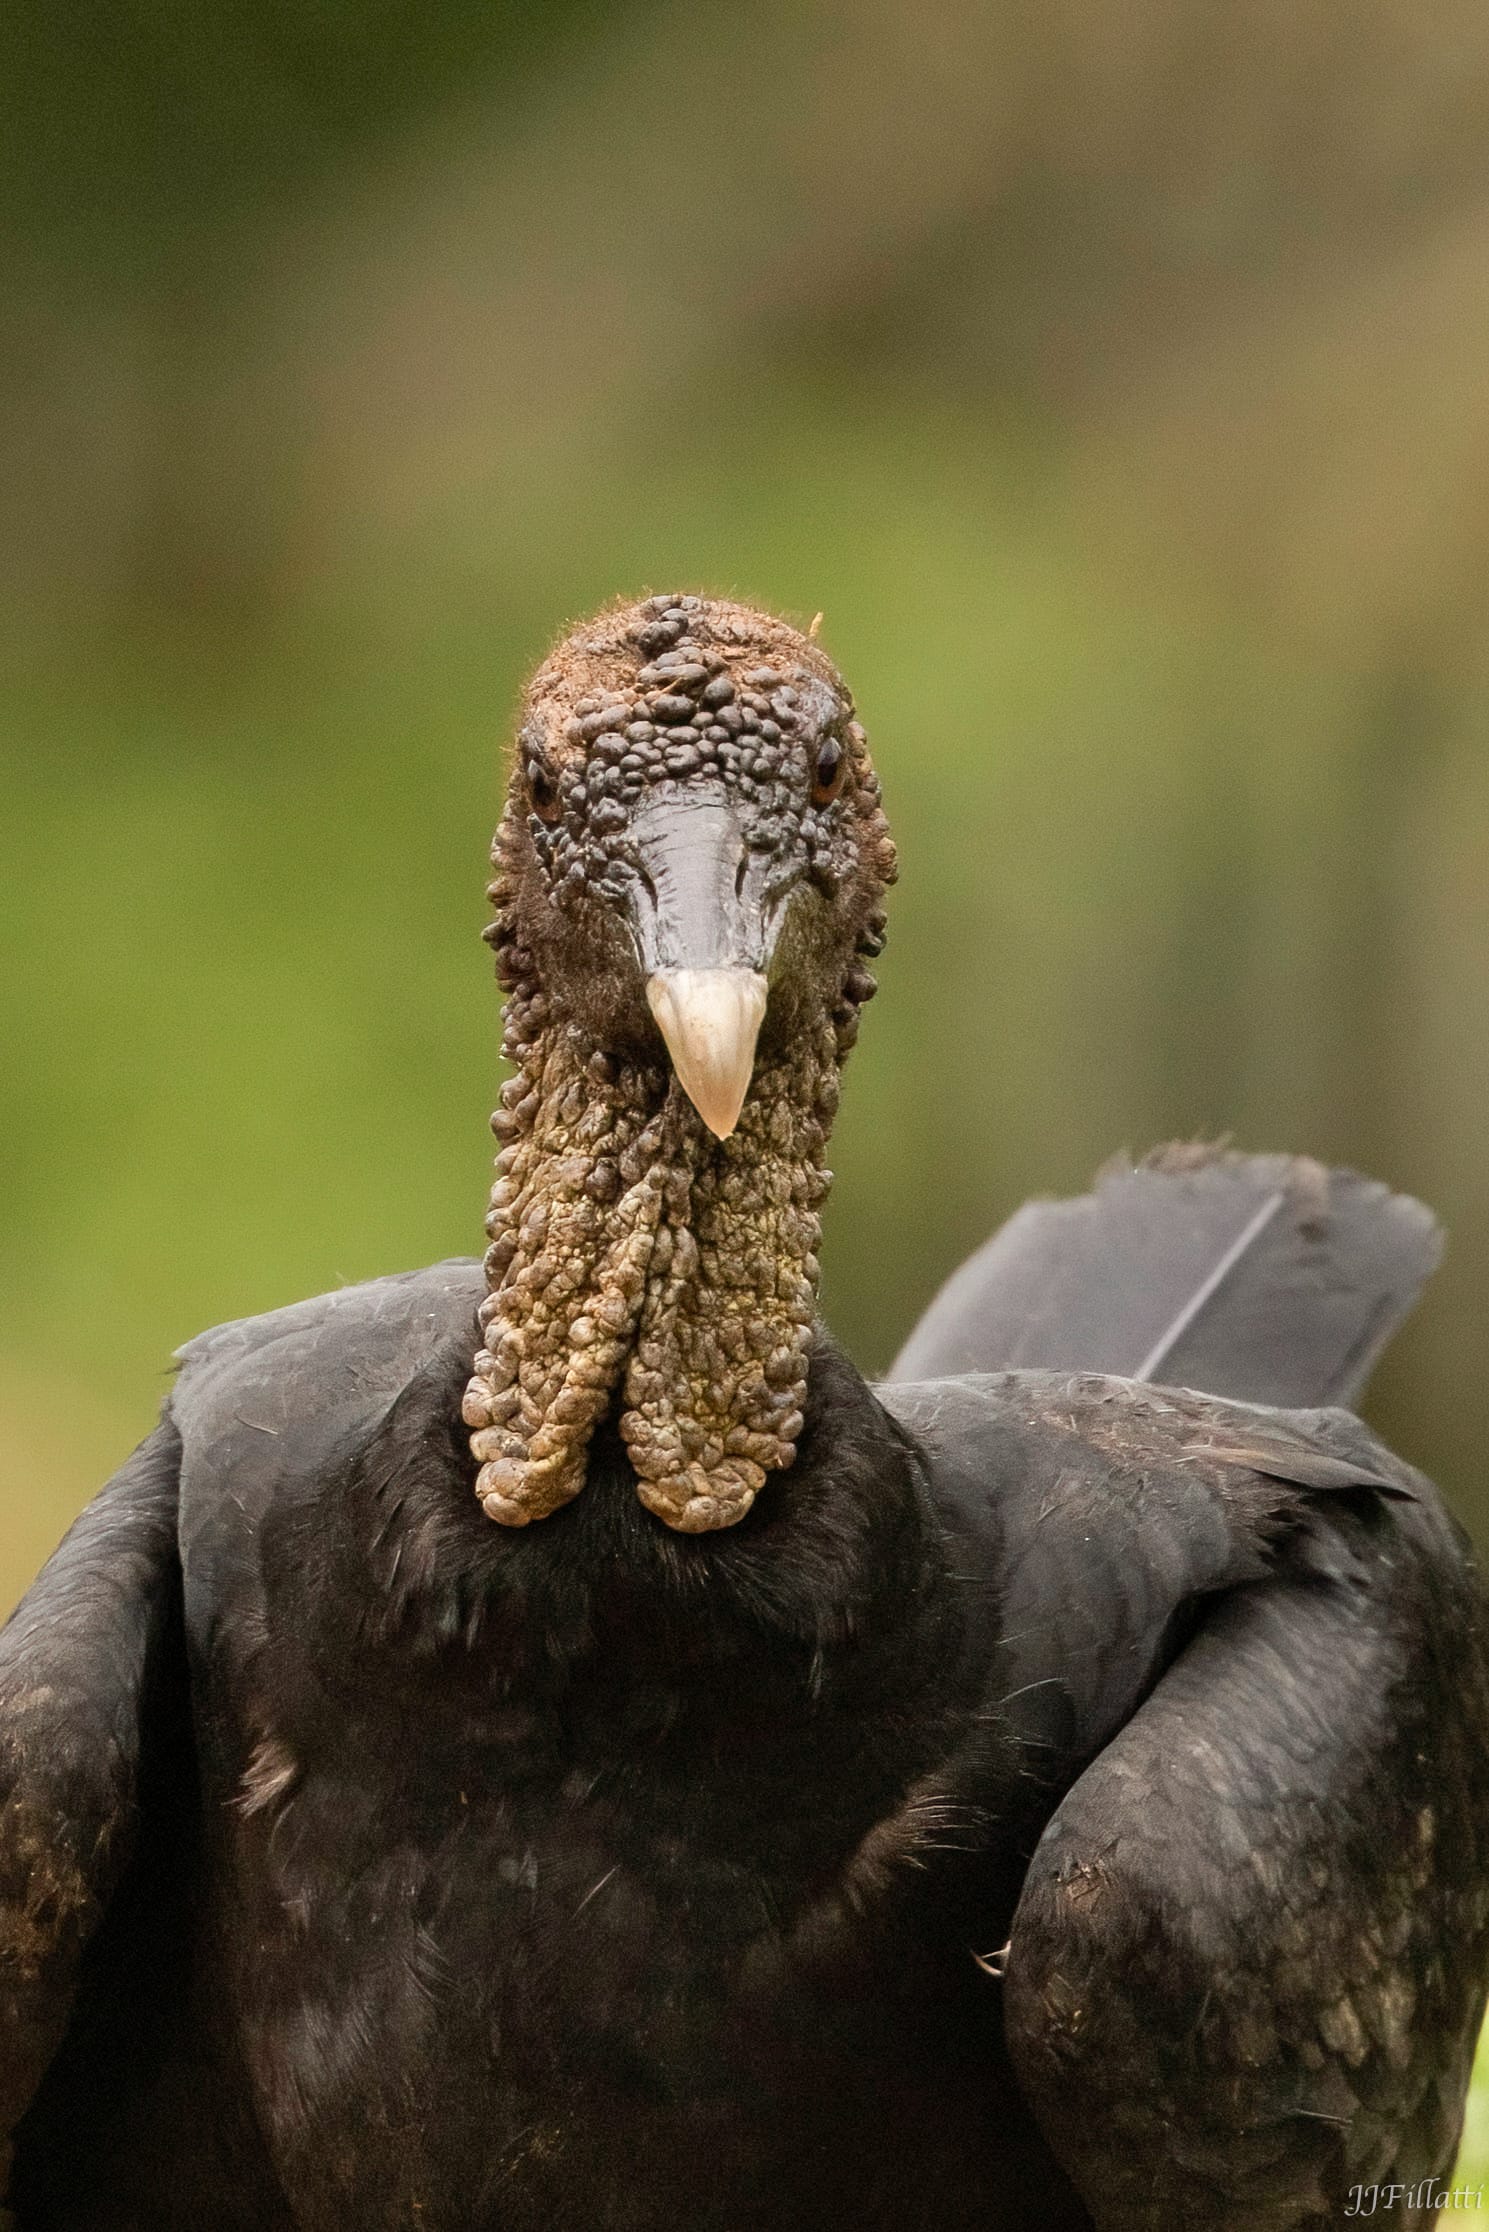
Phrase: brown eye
[542,789]
[830,772]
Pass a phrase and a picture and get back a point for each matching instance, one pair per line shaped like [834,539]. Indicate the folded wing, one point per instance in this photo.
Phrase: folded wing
[1244,1652]
[1248,1967]
[91,1684]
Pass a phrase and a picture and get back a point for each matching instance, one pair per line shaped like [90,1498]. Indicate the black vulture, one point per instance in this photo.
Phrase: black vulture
[542,1746]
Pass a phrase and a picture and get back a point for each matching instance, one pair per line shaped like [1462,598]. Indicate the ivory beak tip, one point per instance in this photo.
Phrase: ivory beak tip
[710,1020]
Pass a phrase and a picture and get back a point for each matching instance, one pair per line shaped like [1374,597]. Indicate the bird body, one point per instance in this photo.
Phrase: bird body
[624,1822]
[1010,1798]
[599,1873]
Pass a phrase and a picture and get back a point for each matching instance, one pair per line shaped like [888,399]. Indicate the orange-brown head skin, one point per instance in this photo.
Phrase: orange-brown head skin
[692,809]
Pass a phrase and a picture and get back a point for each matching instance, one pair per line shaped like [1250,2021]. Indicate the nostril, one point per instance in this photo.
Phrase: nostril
[641,911]
[740,874]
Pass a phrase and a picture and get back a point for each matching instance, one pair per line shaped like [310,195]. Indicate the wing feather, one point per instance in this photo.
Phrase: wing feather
[82,1659]
[1248,1967]
[1263,1277]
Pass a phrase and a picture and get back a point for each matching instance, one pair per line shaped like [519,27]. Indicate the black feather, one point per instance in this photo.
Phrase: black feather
[1264,1278]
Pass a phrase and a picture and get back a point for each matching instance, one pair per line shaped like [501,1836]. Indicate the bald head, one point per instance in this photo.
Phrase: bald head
[690,874]
[695,835]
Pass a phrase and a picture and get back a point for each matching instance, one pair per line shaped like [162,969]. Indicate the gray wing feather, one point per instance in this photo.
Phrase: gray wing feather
[1268,1278]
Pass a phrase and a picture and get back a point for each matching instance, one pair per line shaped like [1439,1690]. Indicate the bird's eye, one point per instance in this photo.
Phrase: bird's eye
[542,789]
[830,772]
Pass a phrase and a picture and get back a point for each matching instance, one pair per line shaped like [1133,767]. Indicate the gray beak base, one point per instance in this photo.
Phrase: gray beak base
[705,911]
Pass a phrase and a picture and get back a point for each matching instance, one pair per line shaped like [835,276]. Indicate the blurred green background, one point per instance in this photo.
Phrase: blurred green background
[1113,380]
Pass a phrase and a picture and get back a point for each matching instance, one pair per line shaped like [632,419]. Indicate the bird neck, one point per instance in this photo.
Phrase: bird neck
[833,1599]
[635,1260]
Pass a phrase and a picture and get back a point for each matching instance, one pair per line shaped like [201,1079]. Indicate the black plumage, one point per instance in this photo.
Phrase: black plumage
[595,1874]
[1058,1801]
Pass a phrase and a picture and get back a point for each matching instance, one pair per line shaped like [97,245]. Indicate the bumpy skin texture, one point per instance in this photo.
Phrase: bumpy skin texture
[631,1252]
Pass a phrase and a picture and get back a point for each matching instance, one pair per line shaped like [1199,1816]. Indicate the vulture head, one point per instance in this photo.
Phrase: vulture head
[690,872]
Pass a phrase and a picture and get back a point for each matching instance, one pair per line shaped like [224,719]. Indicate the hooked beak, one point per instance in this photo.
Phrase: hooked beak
[705,912]
[710,1019]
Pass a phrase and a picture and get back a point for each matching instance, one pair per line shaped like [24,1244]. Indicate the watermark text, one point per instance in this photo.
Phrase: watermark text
[1377,2200]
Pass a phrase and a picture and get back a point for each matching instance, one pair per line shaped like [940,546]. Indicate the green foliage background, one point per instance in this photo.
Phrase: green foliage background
[1111,380]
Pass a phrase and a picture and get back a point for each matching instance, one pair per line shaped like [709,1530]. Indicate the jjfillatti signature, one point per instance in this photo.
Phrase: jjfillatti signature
[1366,2200]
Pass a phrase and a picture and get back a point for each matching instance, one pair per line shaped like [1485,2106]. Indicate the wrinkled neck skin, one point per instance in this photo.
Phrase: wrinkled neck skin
[637,1262]
[636,1258]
